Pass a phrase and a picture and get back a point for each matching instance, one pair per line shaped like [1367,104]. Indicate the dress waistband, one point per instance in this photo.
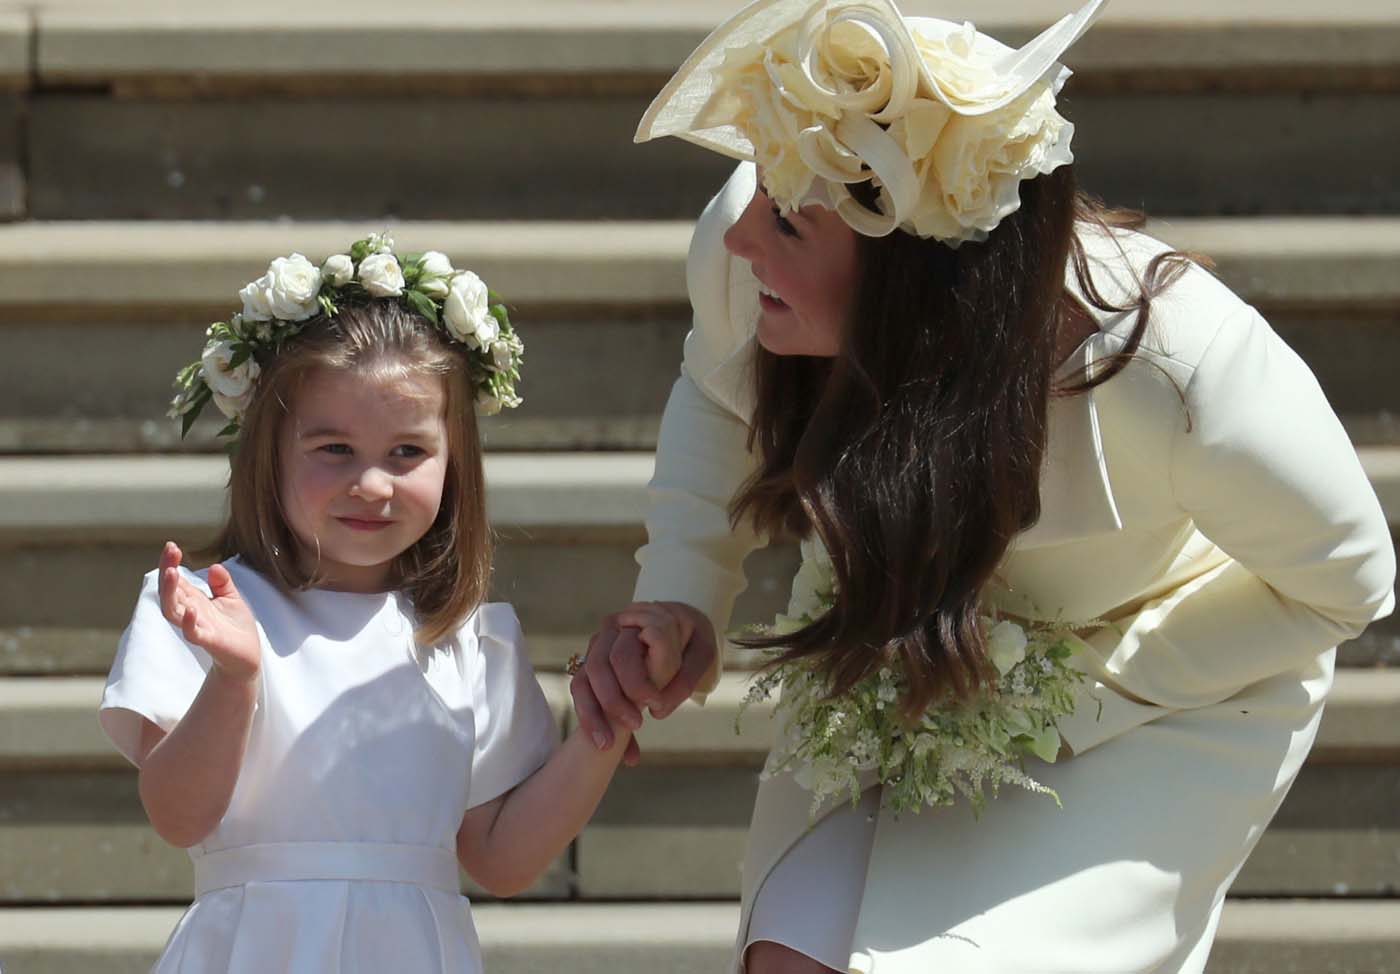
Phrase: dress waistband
[284,862]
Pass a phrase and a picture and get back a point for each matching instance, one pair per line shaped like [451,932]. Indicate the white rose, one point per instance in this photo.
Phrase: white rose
[467,311]
[436,271]
[381,275]
[233,408]
[232,386]
[1006,645]
[339,270]
[487,404]
[288,291]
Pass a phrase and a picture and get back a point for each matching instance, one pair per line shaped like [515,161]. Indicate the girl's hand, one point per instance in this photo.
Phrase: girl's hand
[223,626]
[663,634]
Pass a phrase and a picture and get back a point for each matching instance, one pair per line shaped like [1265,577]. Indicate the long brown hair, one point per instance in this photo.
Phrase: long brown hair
[915,453]
[446,572]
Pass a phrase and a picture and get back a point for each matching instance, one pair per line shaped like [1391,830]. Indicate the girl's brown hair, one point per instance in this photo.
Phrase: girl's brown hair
[445,573]
[915,453]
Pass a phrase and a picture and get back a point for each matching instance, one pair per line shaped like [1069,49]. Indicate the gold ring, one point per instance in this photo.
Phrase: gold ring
[575,663]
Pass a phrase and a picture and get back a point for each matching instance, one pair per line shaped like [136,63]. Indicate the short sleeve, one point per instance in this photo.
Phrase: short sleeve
[516,731]
[156,673]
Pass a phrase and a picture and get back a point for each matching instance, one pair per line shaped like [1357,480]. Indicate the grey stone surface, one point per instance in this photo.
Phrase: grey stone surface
[85,838]
[560,589]
[366,159]
[695,938]
[545,36]
[12,200]
[15,32]
[593,381]
[1201,153]
[1210,153]
[96,272]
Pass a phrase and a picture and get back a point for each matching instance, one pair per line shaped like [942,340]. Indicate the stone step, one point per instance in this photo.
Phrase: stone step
[602,308]
[95,525]
[81,43]
[1285,937]
[71,824]
[178,99]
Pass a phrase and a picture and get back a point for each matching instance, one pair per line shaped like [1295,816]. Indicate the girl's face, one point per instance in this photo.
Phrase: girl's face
[807,266]
[362,470]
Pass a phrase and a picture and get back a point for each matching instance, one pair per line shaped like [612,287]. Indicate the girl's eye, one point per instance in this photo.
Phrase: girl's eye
[785,226]
[409,450]
[337,449]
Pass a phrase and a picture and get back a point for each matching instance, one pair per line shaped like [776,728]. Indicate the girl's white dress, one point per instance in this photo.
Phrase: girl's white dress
[336,853]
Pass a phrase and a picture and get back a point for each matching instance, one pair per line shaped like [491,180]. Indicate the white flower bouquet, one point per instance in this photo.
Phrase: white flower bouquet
[836,745]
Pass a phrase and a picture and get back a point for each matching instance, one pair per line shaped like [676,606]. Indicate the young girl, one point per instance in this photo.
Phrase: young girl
[331,720]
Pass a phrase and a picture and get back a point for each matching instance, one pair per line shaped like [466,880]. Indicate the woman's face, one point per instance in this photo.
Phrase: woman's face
[806,265]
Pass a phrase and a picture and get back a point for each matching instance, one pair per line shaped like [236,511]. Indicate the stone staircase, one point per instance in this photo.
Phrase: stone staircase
[155,153]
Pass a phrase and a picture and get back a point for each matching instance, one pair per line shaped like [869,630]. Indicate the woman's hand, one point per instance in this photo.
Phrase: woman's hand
[650,655]
[223,626]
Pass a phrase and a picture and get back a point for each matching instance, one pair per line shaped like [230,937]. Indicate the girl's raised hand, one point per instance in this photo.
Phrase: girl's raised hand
[663,634]
[223,626]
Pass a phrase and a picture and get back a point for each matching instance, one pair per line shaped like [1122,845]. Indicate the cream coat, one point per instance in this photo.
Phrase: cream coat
[1207,502]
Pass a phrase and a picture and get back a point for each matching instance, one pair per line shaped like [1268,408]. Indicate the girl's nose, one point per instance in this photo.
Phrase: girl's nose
[372,484]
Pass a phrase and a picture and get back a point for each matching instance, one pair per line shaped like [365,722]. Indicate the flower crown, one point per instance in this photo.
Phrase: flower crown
[944,122]
[278,305]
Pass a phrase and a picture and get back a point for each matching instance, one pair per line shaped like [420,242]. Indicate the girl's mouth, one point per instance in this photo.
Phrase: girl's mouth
[363,524]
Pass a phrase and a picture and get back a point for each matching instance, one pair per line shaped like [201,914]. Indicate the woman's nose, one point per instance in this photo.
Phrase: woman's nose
[740,239]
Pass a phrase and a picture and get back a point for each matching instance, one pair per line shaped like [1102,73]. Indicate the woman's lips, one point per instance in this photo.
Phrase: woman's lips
[769,303]
[363,524]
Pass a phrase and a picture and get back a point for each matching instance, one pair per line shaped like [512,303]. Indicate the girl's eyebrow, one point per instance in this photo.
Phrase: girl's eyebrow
[413,433]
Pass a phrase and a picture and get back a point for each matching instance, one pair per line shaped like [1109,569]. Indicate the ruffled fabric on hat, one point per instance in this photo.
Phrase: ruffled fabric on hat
[944,121]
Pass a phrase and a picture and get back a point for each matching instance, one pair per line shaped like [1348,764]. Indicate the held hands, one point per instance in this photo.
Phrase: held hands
[651,654]
[223,626]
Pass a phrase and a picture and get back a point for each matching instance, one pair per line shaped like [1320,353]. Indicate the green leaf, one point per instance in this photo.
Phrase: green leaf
[230,429]
[200,398]
[241,354]
[412,273]
[359,250]
[406,259]
[498,311]
[423,305]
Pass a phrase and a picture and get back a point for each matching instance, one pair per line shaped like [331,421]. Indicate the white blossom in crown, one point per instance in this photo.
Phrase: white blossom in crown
[288,291]
[280,305]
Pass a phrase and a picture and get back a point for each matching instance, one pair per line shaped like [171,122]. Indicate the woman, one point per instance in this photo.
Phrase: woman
[916,344]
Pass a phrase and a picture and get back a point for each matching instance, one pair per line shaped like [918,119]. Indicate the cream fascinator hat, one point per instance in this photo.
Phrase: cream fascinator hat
[944,121]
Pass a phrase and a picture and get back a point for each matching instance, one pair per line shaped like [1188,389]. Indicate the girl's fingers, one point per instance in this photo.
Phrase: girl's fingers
[695,663]
[590,714]
[221,582]
[190,624]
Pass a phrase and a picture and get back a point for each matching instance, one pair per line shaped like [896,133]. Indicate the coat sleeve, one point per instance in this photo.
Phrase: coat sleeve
[692,554]
[1267,473]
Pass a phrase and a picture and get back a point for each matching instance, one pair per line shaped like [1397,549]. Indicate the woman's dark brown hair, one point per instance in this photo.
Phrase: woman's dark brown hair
[915,453]
[446,572]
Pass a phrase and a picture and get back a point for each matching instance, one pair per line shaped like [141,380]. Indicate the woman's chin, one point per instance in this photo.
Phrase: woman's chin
[778,334]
